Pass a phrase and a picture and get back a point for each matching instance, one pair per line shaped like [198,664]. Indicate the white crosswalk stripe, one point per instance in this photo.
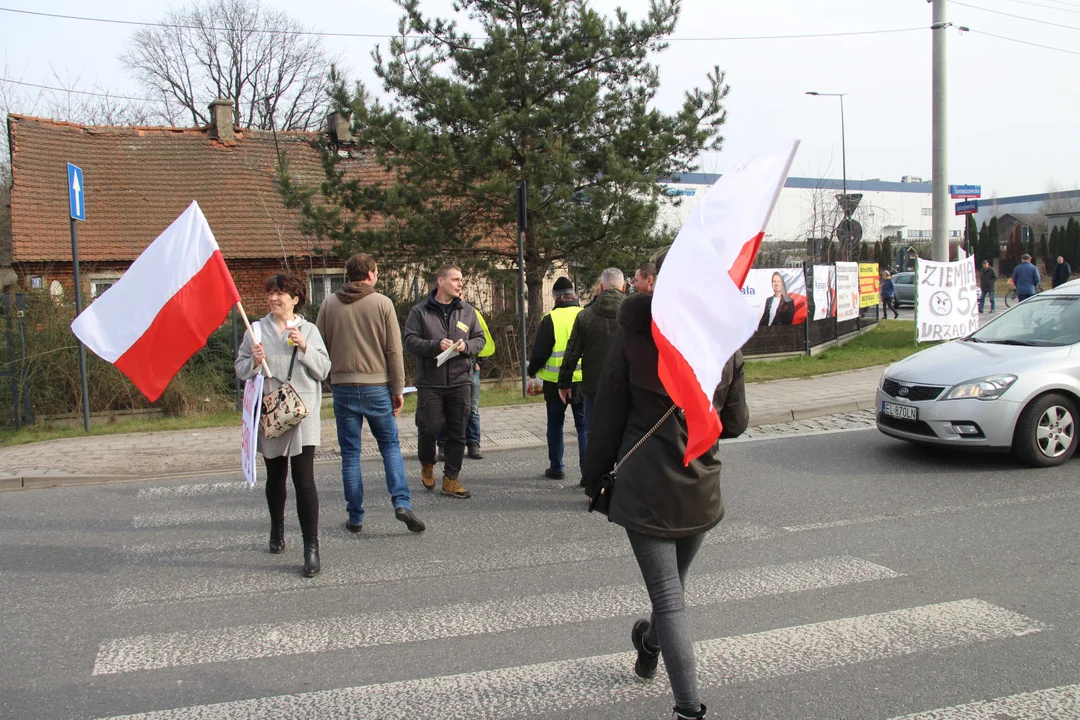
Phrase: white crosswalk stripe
[1060,703]
[386,628]
[562,685]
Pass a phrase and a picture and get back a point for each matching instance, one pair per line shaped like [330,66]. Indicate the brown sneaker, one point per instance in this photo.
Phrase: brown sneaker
[427,476]
[453,488]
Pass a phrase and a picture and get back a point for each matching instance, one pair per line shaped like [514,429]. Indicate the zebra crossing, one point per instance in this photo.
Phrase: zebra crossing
[516,604]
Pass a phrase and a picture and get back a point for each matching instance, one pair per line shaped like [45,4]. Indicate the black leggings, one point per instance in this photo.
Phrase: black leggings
[307,498]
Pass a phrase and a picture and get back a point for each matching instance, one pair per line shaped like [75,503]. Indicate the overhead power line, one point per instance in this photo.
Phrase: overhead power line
[1013,15]
[1049,7]
[1023,42]
[77,92]
[378,36]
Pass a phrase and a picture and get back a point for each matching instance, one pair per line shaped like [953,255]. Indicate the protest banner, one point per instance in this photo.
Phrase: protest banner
[776,295]
[869,285]
[847,291]
[824,292]
[947,300]
[249,429]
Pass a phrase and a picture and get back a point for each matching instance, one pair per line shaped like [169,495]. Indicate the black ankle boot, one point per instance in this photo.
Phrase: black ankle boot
[277,537]
[687,715]
[311,557]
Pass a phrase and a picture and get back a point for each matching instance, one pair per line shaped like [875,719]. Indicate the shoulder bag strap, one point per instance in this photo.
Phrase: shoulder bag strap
[643,439]
[291,363]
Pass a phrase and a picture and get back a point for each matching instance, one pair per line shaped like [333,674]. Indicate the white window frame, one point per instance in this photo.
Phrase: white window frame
[104,278]
[323,276]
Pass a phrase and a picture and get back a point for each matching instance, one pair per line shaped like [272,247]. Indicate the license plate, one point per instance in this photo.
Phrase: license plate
[904,412]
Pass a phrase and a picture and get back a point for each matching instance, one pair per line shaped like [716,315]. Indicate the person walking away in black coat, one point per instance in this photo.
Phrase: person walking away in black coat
[1062,272]
[666,507]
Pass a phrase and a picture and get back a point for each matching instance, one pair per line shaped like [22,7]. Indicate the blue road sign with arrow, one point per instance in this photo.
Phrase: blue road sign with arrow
[76,196]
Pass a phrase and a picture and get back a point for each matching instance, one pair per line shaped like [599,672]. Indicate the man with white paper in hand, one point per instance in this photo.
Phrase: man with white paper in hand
[443,325]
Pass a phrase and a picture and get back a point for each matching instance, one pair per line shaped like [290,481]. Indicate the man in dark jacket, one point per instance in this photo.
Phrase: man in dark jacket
[593,328]
[442,323]
[1062,272]
[986,283]
[546,361]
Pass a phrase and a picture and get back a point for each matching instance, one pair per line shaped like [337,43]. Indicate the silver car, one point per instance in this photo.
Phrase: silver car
[1014,384]
[904,283]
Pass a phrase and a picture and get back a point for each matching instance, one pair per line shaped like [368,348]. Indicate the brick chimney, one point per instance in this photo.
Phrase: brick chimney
[339,130]
[221,121]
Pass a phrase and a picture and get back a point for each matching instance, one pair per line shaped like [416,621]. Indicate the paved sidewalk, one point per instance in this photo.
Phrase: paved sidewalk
[184,452]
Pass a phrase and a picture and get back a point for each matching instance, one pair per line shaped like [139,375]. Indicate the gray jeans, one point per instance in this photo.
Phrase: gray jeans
[664,564]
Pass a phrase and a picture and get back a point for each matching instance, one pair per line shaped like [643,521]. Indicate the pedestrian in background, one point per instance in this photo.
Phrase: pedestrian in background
[294,351]
[645,278]
[987,279]
[1062,272]
[888,295]
[665,506]
[472,431]
[589,340]
[438,324]
[545,362]
[1026,278]
[367,378]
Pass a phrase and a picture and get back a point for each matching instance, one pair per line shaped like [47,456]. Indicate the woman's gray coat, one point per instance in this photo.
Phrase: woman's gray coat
[312,367]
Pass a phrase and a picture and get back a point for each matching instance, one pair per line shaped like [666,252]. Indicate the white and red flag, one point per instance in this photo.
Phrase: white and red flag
[164,307]
[700,318]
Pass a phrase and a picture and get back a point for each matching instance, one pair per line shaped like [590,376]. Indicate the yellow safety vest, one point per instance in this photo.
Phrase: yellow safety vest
[563,321]
[489,345]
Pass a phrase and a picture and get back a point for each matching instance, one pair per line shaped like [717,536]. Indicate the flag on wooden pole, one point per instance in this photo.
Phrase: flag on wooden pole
[700,318]
[155,317]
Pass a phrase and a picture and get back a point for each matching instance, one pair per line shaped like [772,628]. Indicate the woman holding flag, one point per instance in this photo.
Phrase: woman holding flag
[665,505]
[294,351]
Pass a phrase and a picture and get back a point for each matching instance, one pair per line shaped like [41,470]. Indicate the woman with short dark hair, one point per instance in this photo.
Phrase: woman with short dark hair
[290,344]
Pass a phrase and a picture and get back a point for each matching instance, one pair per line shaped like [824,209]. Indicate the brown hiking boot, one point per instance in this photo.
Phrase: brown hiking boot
[454,488]
[427,476]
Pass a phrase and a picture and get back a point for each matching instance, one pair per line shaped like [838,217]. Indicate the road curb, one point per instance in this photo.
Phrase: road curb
[38,482]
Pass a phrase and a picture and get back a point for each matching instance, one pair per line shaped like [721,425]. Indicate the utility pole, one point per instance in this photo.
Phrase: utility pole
[940,172]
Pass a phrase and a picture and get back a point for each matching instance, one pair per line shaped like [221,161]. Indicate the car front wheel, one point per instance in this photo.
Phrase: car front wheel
[1046,433]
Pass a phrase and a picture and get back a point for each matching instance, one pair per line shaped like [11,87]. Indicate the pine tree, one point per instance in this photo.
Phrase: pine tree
[552,93]
[1055,243]
[993,240]
[971,235]
[1072,242]
[887,258]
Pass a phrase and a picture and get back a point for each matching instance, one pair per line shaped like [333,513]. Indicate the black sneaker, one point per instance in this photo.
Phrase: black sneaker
[677,714]
[412,522]
[555,474]
[353,528]
[474,452]
[645,667]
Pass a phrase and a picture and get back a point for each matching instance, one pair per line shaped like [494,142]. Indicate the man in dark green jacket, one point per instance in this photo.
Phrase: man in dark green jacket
[589,340]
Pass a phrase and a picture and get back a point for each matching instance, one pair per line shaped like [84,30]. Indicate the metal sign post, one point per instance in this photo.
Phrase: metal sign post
[77,206]
[522,225]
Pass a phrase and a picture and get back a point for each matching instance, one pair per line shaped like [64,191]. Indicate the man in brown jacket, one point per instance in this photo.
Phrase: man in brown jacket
[367,376]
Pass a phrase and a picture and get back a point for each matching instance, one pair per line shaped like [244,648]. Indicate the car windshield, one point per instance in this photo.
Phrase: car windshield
[1039,321]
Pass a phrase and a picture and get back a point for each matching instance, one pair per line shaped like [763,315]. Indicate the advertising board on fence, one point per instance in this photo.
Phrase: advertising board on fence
[869,285]
[948,299]
[824,292]
[778,295]
[847,291]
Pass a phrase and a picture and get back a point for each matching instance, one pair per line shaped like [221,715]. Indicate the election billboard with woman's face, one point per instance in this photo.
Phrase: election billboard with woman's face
[778,295]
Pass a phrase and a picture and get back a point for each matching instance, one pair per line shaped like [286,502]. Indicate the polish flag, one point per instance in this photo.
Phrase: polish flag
[700,318]
[164,307]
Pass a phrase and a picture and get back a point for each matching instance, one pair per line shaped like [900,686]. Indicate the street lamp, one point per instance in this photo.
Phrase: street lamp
[843,158]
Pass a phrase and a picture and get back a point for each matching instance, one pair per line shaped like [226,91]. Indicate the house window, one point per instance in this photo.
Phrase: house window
[101,283]
[928,212]
[322,284]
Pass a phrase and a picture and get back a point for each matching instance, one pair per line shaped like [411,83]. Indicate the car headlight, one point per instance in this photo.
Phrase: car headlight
[987,388]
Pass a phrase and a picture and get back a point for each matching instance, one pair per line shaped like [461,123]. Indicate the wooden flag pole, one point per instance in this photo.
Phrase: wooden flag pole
[240,309]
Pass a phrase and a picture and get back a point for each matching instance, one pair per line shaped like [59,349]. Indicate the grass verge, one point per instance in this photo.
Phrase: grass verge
[44,431]
[890,341]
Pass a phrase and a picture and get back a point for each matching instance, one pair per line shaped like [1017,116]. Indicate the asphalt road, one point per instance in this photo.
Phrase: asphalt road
[854,577]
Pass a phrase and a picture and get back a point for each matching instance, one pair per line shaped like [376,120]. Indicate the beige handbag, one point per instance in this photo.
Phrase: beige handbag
[282,409]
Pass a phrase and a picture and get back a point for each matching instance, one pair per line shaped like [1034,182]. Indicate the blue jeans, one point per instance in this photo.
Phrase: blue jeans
[982,300]
[472,431]
[556,417]
[352,404]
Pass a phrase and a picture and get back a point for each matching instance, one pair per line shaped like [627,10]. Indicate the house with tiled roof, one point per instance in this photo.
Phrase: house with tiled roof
[137,180]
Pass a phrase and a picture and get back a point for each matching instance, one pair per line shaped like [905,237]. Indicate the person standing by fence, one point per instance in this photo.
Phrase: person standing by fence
[888,295]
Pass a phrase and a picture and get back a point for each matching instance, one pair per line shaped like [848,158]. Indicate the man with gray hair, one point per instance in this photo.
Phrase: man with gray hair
[589,339]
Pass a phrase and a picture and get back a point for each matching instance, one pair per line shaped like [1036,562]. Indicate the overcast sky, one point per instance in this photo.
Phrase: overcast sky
[1014,109]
